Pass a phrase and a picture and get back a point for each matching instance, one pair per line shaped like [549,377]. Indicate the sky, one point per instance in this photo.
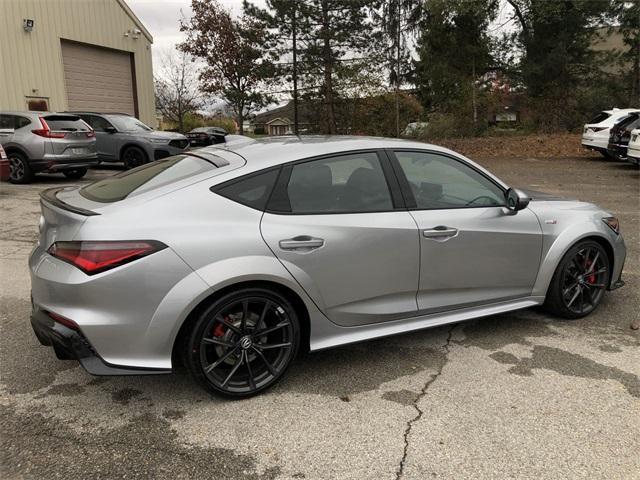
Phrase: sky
[161,18]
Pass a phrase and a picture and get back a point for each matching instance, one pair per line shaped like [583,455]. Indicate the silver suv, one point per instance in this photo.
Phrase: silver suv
[123,138]
[46,142]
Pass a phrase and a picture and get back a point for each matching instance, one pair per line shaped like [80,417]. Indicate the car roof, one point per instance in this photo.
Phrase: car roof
[271,151]
[278,150]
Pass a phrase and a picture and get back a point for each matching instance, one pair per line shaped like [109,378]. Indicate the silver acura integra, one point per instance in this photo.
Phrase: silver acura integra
[234,259]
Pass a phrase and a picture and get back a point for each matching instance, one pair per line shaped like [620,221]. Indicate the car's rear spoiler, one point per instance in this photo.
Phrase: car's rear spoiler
[50,196]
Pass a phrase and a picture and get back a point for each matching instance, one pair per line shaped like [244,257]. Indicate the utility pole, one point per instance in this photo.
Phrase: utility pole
[398,40]
[295,72]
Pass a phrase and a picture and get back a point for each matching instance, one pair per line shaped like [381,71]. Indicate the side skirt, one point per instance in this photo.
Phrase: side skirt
[325,334]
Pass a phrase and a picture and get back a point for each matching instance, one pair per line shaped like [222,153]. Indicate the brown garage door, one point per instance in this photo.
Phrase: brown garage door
[98,79]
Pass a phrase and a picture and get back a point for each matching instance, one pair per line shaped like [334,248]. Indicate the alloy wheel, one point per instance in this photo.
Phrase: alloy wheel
[133,158]
[16,169]
[584,280]
[246,345]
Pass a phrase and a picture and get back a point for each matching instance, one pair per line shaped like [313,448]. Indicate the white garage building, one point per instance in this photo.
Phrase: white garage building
[62,55]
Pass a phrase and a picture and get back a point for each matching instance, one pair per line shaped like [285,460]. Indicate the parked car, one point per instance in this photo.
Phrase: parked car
[5,169]
[123,138]
[595,135]
[235,258]
[414,129]
[46,142]
[620,134]
[633,151]
[204,136]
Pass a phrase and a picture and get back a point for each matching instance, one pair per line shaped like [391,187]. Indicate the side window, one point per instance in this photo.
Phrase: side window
[20,122]
[438,181]
[6,121]
[347,183]
[252,191]
[99,124]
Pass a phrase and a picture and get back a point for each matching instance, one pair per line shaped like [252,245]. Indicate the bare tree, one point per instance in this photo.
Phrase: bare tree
[236,66]
[177,87]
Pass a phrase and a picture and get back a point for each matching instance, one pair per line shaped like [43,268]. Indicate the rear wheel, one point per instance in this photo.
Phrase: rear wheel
[19,169]
[243,343]
[75,173]
[134,157]
[579,282]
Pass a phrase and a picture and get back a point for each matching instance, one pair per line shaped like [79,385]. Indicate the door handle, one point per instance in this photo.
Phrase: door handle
[440,233]
[301,242]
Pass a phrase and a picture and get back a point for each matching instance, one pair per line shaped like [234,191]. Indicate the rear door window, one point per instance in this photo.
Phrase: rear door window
[145,178]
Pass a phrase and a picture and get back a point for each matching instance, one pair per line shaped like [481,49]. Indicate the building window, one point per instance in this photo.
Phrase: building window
[38,104]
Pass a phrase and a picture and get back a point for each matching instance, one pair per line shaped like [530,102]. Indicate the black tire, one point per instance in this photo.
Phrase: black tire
[75,173]
[223,353]
[574,292]
[19,169]
[134,157]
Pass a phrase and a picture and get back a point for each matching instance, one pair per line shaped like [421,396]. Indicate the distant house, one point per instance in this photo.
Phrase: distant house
[279,121]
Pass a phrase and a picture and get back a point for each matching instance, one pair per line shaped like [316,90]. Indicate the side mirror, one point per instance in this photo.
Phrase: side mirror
[110,129]
[516,199]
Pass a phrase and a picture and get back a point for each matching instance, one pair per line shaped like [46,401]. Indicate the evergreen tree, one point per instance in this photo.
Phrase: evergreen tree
[334,43]
[454,50]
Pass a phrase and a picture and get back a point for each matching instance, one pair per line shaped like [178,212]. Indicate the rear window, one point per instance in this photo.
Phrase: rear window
[59,123]
[145,178]
[601,117]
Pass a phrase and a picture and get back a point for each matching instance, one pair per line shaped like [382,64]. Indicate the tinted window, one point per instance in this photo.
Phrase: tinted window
[13,121]
[6,121]
[601,117]
[59,123]
[252,191]
[348,183]
[442,182]
[21,122]
[145,178]
[99,124]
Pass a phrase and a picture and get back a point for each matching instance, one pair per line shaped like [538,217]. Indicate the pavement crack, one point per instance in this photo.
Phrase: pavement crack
[419,412]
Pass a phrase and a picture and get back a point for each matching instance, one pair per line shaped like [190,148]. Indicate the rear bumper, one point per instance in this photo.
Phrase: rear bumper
[595,143]
[70,344]
[617,150]
[59,164]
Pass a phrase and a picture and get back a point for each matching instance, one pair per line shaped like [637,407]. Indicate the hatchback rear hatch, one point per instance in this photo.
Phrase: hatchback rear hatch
[67,135]
[65,209]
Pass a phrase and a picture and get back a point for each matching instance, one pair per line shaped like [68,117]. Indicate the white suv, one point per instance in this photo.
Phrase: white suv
[595,135]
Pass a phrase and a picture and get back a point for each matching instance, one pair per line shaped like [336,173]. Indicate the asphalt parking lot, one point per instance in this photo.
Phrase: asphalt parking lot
[517,395]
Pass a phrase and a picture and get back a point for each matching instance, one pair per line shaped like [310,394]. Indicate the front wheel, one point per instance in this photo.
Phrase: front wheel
[579,282]
[75,173]
[243,343]
[133,157]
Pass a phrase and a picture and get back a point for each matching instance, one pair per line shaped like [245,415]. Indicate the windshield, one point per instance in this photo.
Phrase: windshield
[128,124]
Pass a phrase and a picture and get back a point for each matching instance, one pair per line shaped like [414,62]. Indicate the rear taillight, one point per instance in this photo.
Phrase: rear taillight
[94,257]
[598,129]
[46,132]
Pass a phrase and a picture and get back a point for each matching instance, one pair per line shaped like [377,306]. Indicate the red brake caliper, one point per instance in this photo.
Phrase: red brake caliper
[218,330]
[591,278]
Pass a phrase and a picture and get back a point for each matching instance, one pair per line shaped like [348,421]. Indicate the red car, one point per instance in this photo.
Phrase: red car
[4,165]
